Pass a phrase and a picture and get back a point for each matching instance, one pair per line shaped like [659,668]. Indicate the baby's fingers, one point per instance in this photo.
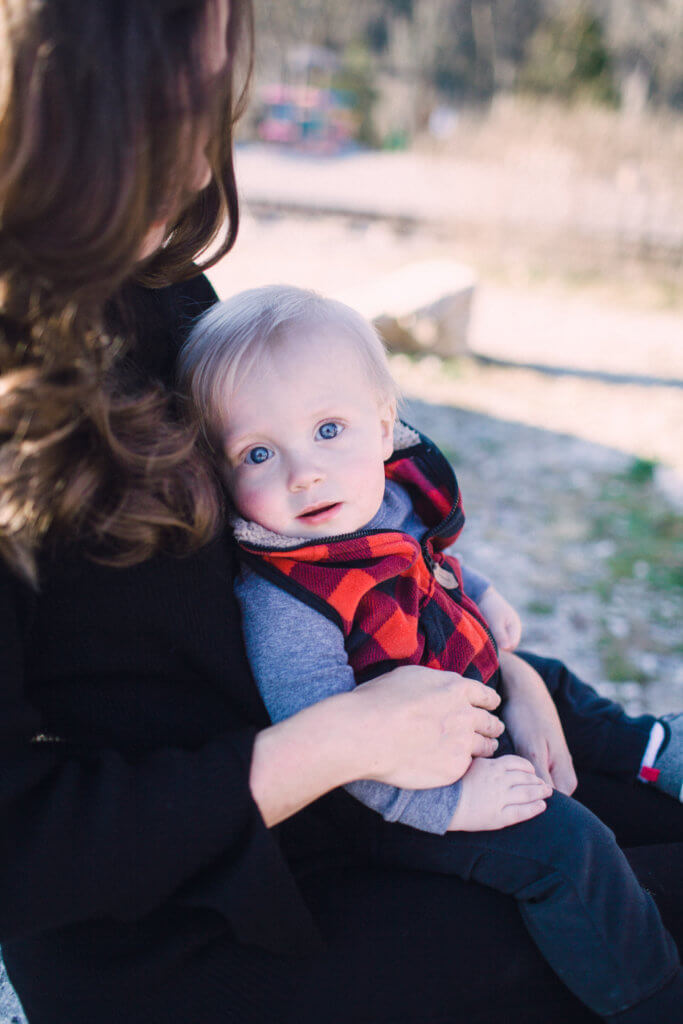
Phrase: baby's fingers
[564,776]
[520,778]
[542,770]
[484,746]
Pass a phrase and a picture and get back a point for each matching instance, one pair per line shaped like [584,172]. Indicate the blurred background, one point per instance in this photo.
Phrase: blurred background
[497,184]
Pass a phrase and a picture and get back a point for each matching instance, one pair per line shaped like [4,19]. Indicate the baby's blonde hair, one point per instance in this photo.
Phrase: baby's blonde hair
[232,339]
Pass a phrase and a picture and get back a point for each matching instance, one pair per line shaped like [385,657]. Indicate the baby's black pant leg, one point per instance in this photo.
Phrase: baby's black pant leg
[600,735]
[582,904]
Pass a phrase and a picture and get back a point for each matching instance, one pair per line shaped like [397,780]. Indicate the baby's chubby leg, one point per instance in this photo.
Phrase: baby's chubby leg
[582,904]
[497,792]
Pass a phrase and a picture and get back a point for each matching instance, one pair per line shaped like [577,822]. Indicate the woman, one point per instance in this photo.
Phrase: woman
[142,875]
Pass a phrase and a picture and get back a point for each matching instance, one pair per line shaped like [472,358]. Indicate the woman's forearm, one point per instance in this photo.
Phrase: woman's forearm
[307,755]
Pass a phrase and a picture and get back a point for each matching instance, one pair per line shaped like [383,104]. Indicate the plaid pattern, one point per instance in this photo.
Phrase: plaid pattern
[379,588]
[432,501]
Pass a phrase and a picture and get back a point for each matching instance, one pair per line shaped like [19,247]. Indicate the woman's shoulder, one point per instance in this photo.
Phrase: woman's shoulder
[161,319]
[178,305]
[184,301]
[197,292]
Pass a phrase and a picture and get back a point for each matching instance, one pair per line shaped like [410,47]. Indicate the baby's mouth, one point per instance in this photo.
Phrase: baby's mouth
[320,513]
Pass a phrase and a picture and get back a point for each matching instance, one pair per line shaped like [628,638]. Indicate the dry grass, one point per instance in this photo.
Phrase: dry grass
[645,151]
[589,197]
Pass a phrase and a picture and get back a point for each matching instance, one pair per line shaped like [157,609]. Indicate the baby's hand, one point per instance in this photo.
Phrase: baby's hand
[503,620]
[498,792]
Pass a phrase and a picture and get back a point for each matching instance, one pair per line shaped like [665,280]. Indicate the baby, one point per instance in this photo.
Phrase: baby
[343,517]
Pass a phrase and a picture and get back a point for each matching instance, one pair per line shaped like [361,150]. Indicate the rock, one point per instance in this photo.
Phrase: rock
[422,307]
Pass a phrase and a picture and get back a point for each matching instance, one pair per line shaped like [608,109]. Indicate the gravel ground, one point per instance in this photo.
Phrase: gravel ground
[535,501]
[455,190]
[10,1010]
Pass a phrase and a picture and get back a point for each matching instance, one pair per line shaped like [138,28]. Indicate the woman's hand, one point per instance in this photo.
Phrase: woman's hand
[503,620]
[414,727]
[533,723]
[425,726]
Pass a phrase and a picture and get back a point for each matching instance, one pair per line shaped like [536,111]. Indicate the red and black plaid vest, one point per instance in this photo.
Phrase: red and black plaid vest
[396,600]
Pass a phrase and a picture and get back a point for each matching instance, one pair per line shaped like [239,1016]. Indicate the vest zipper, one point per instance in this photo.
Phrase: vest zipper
[250,546]
[441,528]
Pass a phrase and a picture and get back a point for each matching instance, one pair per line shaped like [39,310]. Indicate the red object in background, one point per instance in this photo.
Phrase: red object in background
[306,117]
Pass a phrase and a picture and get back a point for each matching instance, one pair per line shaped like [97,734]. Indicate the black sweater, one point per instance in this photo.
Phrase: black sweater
[127,720]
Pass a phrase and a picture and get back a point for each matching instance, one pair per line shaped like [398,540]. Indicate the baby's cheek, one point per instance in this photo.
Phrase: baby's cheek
[254,502]
[244,496]
[373,484]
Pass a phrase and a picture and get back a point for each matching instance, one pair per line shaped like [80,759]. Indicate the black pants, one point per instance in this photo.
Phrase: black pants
[579,898]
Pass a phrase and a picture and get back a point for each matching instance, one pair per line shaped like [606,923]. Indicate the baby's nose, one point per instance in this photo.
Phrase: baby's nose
[303,475]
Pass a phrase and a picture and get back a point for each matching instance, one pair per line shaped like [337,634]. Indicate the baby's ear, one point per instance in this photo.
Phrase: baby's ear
[387,418]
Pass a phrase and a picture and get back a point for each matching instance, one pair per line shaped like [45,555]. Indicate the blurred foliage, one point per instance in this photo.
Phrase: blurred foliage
[568,58]
[641,471]
[355,78]
[646,531]
[457,51]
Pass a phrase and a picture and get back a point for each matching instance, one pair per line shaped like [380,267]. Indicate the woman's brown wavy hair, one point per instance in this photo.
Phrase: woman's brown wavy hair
[103,105]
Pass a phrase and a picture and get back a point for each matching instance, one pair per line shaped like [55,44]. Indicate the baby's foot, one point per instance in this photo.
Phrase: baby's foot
[497,792]
[666,772]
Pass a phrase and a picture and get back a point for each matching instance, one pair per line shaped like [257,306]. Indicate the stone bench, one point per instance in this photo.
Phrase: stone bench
[422,307]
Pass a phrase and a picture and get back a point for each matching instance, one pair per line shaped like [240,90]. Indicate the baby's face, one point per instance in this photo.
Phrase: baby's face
[306,439]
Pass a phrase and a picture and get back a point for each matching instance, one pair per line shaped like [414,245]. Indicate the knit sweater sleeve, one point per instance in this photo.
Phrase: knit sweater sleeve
[90,832]
[298,657]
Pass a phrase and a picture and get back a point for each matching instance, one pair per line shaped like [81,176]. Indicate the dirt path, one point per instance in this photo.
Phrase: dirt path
[544,195]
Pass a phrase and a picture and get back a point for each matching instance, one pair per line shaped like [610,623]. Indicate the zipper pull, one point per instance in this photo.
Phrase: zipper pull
[444,576]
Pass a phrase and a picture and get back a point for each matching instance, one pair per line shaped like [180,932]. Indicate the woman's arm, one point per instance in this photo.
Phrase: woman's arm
[413,727]
[91,832]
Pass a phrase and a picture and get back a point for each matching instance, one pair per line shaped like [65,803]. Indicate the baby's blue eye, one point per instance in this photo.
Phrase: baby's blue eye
[258,454]
[328,430]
